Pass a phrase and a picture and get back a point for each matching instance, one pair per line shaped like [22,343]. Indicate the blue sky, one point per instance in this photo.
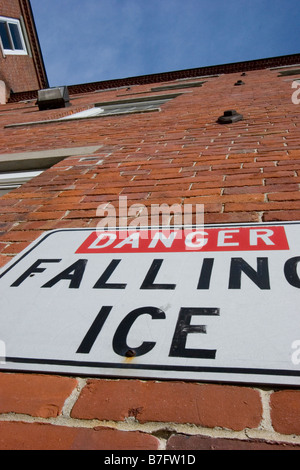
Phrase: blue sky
[93,40]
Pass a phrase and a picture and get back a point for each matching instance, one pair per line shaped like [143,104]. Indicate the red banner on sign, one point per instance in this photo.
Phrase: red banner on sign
[182,240]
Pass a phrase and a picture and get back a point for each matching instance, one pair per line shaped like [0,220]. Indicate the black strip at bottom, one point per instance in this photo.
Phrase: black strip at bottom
[110,365]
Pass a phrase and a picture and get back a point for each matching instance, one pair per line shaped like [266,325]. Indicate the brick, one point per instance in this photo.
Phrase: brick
[32,195]
[3,260]
[213,183]
[5,226]
[79,214]
[54,215]
[74,223]
[14,248]
[227,198]
[24,436]
[35,395]
[8,202]
[242,182]
[64,199]
[38,225]
[285,411]
[20,236]
[266,189]
[188,193]
[227,165]
[234,172]
[148,202]
[294,153]
[278,174]
[291,186]
[18,209]
[273,181]
[244,190]
[283,215]
[259,164]
[230,217]
[3,246]
[198,442]
[204,405]
[262,206]
[213,207]
[284,196]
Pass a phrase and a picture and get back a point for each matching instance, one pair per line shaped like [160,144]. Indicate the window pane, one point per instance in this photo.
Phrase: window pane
[4,36]
[15,34]
[5,191]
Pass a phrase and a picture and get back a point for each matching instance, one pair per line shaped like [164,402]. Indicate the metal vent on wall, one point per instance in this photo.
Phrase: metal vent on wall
[53,98]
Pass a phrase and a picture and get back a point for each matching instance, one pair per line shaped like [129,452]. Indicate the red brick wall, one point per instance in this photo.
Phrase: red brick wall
[10,8]
[247,171]
[17,71]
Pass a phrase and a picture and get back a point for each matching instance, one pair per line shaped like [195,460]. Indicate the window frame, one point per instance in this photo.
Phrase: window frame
[14,180]
[7,21]
[120,107]
[110,109]
[17,169]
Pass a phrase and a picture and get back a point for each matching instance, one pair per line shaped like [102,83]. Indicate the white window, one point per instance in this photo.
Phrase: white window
[10,181]
[11,35]
[111,108]
[137,105]
[92,112]
[19,168]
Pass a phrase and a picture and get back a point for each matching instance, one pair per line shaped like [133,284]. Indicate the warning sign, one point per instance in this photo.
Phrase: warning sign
[212,303]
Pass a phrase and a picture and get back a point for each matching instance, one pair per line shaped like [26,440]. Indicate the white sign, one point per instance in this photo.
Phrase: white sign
[217,303]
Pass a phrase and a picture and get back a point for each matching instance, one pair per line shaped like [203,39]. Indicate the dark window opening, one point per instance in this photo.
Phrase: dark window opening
[286,73]
[11,36]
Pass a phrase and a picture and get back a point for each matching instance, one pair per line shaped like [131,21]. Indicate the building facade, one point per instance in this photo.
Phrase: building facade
[21,64]
[154,140]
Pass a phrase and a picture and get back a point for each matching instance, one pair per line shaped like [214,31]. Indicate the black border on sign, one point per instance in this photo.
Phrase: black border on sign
[112,365]
[152,367]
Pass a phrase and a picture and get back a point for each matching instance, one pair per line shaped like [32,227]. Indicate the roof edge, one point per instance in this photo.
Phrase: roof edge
[234,67]
[37,56]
